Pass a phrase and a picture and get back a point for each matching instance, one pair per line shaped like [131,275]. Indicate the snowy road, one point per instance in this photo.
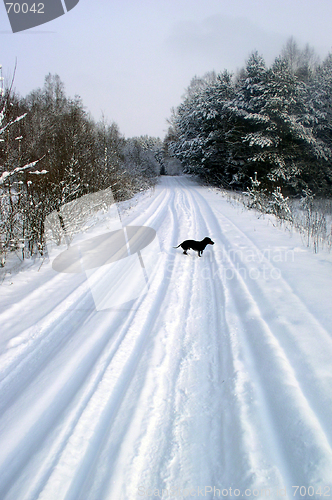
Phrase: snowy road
[218,379]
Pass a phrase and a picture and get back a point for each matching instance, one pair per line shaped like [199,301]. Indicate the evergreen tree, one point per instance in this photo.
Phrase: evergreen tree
[274,121]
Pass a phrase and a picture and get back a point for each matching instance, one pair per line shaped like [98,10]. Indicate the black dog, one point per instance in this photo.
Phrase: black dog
[198,246]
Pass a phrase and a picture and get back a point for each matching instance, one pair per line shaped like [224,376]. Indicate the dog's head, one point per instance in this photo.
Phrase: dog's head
[208,241]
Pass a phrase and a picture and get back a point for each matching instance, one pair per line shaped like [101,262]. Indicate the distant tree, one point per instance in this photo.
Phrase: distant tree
[143,157]
[301,62]
[292,55]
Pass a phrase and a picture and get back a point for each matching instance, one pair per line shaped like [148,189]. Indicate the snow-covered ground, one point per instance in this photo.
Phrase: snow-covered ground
[216,383]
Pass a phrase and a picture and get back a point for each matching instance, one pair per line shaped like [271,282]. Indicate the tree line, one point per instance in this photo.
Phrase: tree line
[52,152]
[265,126]
[266,130]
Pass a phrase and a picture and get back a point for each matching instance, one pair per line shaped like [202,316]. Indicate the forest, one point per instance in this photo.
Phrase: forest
[52,152]
[266,128]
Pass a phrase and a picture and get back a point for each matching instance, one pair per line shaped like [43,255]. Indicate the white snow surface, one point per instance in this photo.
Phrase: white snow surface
[218,378]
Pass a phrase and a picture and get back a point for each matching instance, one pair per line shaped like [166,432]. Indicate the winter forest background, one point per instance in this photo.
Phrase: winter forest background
[265,131]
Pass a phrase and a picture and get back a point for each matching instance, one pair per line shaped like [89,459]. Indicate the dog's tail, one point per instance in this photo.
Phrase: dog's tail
[177,246]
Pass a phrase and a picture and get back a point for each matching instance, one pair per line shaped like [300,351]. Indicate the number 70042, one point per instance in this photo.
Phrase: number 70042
[24,8]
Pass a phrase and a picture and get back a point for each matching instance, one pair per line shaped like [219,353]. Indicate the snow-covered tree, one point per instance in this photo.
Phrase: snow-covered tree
[143,156]
[17,179]
[197,133]
[272,121]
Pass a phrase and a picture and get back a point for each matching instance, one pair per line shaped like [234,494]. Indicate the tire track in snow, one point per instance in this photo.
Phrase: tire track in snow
[173,393]
[154,409]
[195,453]
[114,386]
[77,387]
[193,392]
[130,418]
[246,463]
[50,333]
[302,439]
[159,407]
[14,312]
[285,318]
[309,354]
[42,342]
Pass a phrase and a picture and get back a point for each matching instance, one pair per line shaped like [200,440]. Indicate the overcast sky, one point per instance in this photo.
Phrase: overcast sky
[131,60]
